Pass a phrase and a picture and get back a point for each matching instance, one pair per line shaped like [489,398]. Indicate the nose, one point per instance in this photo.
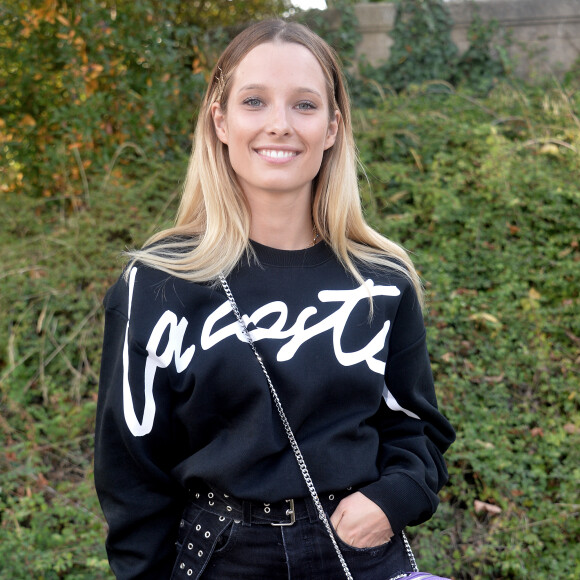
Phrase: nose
[278,122]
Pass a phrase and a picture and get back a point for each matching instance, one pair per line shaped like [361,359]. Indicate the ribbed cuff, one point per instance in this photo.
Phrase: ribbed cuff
[402,500]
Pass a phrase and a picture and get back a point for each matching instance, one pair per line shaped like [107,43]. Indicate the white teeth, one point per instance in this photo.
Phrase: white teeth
[276,154]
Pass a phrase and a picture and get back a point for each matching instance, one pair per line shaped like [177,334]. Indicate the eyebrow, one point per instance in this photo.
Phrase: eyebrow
[259,87]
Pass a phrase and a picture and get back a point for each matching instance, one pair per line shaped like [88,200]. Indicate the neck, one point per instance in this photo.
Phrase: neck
[283,224]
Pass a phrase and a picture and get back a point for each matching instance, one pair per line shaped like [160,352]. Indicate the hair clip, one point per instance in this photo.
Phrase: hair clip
[221,84]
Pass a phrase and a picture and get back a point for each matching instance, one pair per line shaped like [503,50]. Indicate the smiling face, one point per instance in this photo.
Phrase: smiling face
[277,123]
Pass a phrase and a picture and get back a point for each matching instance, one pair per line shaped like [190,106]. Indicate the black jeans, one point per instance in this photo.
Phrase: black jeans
[224,539]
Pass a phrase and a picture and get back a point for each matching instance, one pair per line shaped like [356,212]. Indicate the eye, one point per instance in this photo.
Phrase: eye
[305,106]
[253,102]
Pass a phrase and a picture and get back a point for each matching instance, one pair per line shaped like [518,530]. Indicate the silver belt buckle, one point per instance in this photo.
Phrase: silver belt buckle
[289,512]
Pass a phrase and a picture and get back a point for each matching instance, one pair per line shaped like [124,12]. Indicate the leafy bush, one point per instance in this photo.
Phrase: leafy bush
[481,192]
[422,47]
[423,51]
[84,84]
[57,266]
[338,26]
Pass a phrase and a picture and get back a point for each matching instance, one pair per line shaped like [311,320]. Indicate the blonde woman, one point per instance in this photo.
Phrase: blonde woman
[193,466]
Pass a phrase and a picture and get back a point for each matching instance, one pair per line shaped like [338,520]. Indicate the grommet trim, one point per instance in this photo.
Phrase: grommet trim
[190,546]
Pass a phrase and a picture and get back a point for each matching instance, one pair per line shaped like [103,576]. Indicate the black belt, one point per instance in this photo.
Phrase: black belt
[279,513]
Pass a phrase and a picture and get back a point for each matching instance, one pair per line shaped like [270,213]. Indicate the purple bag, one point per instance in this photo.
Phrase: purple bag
[424,576]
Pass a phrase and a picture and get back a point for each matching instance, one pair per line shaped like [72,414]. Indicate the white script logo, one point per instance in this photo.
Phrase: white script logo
[297,334]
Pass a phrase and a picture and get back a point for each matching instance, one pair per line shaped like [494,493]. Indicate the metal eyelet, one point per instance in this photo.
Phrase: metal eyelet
[229,508]
[210,495]
[210,502]
[190,546]
[222,519]
[267,510]
[200,553]
[181,524]
[182,566]
[331,497]
[226,495]
[197,496]
[190,572]
[207,534]
[197,528]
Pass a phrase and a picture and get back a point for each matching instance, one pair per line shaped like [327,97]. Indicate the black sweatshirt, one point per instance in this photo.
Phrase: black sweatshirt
[183,398]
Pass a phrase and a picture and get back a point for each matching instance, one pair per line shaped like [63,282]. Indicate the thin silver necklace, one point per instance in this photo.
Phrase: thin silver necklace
[316,236]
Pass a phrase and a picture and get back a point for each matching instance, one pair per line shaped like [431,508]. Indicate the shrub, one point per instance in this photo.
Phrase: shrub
[481,192]
[84,84]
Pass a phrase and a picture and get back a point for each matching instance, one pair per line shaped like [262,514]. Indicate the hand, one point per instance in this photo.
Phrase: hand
[360,522]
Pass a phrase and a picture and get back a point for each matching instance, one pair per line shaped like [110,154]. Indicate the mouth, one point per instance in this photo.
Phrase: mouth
[276,154]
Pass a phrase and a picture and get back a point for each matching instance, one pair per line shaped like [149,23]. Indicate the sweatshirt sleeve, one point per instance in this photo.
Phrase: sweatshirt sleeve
[141,502]
[413,433]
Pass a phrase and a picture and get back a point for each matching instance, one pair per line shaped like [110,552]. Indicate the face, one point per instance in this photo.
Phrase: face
[277,124]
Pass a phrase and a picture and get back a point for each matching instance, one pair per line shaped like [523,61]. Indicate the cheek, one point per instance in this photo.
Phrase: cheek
[318,136]
[241,132]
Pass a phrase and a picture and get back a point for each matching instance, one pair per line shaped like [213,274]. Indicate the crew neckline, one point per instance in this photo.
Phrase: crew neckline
[306,258]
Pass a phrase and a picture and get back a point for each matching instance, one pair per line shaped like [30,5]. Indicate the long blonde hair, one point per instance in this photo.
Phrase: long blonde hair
[211,232]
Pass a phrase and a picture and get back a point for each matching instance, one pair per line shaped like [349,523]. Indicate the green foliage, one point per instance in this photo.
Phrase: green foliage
[480,190]
[477,66]
[82,83]
[423,51]
[338,26]
[57,266]
[422,48]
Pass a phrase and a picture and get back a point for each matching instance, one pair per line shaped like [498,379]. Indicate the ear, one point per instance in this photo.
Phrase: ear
[219,122]
[332,130]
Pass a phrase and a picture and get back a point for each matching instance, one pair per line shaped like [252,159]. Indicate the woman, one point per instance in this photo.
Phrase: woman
[192,464]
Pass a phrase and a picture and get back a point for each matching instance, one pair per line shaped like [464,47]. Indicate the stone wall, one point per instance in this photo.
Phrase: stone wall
[545,34]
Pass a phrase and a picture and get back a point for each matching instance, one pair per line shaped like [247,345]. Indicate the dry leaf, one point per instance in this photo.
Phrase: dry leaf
[485,317]
[549,149]
[482,506]
[28,121]
[495,379]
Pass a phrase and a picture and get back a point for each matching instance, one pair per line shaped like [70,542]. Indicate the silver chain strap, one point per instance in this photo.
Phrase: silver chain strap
[288,429]
[410,554]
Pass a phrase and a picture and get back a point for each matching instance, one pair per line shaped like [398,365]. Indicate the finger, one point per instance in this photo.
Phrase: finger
[336,518]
